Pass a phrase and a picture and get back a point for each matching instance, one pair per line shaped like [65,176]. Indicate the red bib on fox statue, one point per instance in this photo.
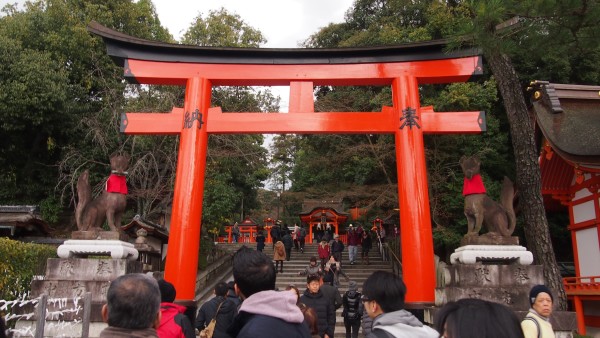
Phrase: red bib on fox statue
[473,185]
[116,183]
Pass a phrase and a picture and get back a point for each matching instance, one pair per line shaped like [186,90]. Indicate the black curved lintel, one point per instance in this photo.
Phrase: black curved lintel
[122,46]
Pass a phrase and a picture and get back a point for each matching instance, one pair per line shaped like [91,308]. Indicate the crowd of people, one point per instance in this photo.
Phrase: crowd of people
[250,306]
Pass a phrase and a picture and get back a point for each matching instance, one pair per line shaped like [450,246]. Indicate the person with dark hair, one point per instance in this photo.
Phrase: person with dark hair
[475,318]
[367,244]
[279,256]
[537,321]
[334,266]
[314,298]
[332,294]
[275,233]
[231,295]
[288,243]
[220,308]
[173,323]
[310,317]
[301,237]
[337,247]
[264,312]
[260,241]
[312,269]
[132,307]
[383,298]
[235,231]
[353,310]
[324,252]
[354,240]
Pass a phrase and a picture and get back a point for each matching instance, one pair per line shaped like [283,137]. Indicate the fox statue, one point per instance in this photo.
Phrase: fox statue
[480,209]
[90,213]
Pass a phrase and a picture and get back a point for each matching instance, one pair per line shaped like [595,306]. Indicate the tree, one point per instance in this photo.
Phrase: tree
[236,164]
[546,22]
[65,92]
[552,40]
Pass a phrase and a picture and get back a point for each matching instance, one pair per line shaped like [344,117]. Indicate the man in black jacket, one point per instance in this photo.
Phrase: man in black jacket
[288,242]
[313,297]
[208,311]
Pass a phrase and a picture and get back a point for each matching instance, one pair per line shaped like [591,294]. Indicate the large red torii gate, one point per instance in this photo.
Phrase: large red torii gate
[403,67]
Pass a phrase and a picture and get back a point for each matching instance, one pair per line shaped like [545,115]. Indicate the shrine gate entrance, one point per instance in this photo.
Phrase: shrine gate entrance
[403,68]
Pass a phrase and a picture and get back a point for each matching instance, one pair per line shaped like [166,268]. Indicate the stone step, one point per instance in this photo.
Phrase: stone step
[357,272]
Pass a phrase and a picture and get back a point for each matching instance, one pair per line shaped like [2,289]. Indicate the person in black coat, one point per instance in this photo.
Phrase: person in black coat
[314,298]
[288,242]
[260,241]
[208,311]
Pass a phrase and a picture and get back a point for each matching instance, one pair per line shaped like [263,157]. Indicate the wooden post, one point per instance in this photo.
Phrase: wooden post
[41,316]
[184,242]
[87,310]
[417,239]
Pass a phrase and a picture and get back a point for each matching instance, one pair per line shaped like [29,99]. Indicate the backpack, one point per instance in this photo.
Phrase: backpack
[302,233]
[209,330]
[352,309]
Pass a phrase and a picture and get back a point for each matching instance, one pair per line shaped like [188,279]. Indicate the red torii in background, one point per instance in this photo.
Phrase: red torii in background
[403,68]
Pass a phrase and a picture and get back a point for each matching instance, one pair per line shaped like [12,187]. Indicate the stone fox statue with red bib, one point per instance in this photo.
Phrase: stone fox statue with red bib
[90,213]
[499,218]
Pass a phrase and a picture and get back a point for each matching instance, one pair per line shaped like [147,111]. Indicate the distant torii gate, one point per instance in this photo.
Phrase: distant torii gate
[403,67]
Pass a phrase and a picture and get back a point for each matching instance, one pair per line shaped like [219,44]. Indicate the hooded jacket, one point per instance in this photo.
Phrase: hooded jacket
[272,314]
[401,324]
[173,322]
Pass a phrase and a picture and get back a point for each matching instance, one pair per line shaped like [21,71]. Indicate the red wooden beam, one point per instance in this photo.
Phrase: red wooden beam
[383,122]
[430,71]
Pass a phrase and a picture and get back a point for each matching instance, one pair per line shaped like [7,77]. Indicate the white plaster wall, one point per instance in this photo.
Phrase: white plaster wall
[581,194]
[584,212]
[588,251]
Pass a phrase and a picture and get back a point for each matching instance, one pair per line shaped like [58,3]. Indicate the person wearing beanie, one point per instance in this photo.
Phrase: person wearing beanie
[353,310]
[173,322]
[537,321]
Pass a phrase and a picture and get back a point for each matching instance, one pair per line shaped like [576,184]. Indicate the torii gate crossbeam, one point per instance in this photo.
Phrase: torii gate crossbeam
[403,68]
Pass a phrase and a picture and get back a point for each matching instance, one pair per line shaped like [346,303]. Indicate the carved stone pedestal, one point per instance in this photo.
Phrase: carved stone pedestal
[66,282]
[504,281]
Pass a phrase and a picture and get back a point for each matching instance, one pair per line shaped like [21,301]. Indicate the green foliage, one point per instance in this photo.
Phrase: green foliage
[222,29]
[19,262]
[51,209]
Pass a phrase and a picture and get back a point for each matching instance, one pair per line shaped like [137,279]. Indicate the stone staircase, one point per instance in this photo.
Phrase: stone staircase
[298,261]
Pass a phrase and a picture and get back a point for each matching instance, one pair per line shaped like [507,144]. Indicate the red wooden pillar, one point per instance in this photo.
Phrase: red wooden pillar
[580,315]
[184,241]
[417,240]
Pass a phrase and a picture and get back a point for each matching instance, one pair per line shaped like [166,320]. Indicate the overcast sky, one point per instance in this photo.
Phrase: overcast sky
[284,23]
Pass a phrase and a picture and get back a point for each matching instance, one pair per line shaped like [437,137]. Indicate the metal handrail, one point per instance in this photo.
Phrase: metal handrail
[391,255]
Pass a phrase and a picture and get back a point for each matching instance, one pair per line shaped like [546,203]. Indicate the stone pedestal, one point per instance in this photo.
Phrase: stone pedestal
[497,273]
[506,284]
[66,281]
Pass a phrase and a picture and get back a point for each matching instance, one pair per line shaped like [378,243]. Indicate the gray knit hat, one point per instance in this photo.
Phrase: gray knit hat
[352,286]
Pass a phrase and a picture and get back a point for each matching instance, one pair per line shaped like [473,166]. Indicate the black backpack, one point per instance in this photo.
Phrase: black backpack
[352,303]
